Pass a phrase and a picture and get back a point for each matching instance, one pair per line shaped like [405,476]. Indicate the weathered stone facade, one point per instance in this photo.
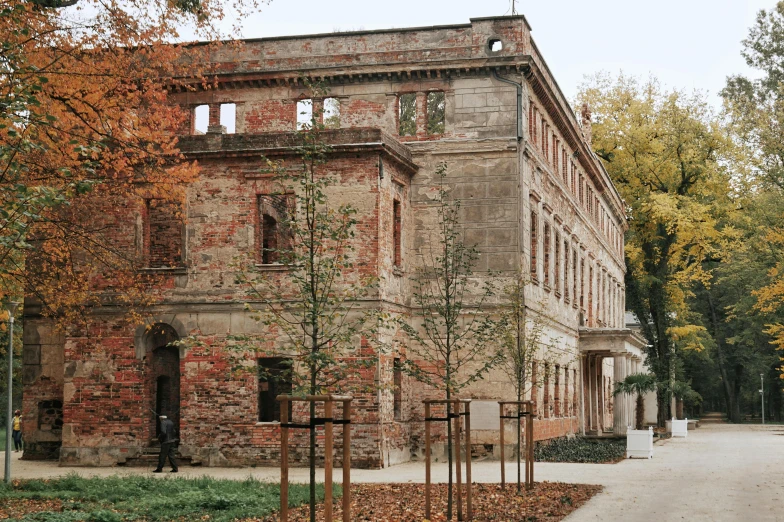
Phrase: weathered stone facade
[535,200]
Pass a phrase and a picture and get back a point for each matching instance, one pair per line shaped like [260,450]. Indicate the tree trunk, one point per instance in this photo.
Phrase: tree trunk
[640,411]
[729,396]
[312,460]
[449,455]
[679,409]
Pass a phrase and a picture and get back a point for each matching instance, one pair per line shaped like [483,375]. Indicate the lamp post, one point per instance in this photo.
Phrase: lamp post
[11,307]
[762,395]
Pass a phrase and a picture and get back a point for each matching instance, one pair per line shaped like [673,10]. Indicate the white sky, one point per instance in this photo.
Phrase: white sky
[688,44]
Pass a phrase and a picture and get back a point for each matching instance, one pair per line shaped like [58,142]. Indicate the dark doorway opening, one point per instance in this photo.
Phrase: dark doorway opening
[163,377]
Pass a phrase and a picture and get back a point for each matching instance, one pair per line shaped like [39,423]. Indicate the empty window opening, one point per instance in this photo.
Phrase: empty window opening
[228,117]
[534,233]
[201,119]
[436,112]
[331,116]
[397,376]
[304,114]
[274,380]
[163,234]
[407,114]
[397,232]
[557,275]
[495,45]
[546,253]
[275,213]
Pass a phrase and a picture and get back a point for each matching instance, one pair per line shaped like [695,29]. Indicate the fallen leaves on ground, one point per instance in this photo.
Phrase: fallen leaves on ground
[15,508]
[546,502]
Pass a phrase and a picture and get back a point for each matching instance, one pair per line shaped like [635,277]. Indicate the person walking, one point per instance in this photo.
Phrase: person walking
[167,438]
[16,430]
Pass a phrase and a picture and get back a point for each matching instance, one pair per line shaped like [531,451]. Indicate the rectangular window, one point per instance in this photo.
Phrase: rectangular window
[397,377]
[556,144]
[397,224]
[304,114]
[331,114]
[534,268]
[564,164]
[273,234]
[557,282]
[574,180]
[407,114]
[557,391]
[546,402]
[436,112]
[228,117]
[274,379]
[566,270]
[534,387]
[163,230]
[582,284]
[582,191]
[590,296]
[567,410]
[546,253]
[531,121]
[574,275]
[201,119]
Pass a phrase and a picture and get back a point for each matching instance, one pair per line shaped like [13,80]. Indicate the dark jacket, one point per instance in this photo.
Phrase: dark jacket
[167,431]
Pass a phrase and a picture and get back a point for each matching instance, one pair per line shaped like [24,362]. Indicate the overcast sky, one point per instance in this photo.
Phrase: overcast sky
[688,44]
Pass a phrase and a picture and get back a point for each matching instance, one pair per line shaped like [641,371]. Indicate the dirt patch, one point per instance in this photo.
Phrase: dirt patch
[547,501]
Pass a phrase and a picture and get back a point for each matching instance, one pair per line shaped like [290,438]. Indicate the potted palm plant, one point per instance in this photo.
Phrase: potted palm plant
[639,442]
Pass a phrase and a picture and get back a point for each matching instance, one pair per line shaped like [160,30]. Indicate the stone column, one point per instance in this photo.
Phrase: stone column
[619,408]
[589,379]
[629,398]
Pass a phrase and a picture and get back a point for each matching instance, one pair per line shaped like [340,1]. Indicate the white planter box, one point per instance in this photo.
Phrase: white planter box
[678,428]
[639,444]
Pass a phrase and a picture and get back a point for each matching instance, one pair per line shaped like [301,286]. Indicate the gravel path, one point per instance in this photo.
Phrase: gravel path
[721,472]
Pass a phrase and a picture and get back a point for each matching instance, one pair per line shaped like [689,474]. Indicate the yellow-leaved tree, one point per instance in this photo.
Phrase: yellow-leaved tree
[667,155]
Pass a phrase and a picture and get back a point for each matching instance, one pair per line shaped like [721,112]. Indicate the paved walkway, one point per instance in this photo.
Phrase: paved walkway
[721,472]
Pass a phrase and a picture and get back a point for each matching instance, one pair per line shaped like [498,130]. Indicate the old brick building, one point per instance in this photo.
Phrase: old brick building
[477,96]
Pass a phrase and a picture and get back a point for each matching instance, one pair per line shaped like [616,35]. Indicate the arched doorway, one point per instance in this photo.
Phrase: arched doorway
[163,376]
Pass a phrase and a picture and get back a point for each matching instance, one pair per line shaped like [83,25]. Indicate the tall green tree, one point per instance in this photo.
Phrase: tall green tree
[666,153]
[453,336]
[314,308]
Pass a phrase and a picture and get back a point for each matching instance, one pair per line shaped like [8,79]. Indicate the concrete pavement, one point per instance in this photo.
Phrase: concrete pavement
[721,472]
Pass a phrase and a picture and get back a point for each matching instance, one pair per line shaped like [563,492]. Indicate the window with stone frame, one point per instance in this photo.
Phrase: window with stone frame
[546,406]
[397,233]
[274,375]
[574,275]
[546,253]
[557,391]
[397,397]
[566,270]
[163,231]
[582,283]
[436,112]
[275,212]
[406,114]
[564,165]
[557,267]
[534,233]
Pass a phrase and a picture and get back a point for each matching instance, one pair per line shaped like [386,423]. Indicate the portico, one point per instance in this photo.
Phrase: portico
[625,348]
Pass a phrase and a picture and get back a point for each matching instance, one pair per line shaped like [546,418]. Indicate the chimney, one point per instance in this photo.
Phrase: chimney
[585,116]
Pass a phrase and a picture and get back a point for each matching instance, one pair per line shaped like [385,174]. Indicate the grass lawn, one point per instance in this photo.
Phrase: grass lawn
[116,499]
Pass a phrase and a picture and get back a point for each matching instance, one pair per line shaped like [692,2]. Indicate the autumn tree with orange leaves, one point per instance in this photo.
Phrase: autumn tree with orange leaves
[86,129]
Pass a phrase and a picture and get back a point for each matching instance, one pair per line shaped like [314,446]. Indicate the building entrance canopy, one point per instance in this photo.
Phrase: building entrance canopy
[625,346]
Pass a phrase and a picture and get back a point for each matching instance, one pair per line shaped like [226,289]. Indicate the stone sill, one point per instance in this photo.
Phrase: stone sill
[273,267]
[547,287]
[272,424]
[173,270]
[398,271]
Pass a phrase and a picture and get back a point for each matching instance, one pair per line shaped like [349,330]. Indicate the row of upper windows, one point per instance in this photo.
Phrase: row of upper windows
[431,110]
[545,139]
[563,272]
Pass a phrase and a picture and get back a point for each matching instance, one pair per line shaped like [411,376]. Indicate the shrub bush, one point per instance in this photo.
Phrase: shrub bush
[580,449]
